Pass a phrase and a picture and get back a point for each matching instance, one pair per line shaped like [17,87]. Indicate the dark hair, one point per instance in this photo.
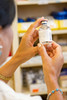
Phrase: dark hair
[7,12]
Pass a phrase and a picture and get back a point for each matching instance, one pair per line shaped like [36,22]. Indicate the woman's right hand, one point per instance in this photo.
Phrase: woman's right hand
[53,60]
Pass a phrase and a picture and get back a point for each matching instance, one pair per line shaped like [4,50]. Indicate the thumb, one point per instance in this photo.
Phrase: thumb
[35,50]
[43,52]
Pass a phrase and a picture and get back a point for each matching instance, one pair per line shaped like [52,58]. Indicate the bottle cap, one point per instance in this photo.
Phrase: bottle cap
[44,22]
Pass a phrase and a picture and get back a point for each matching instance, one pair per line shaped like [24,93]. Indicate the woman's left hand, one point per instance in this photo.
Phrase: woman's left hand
[26,49]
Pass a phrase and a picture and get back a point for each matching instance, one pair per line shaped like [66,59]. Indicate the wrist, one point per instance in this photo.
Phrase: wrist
[19,58]
[15,59]
[51,82]
[9,68]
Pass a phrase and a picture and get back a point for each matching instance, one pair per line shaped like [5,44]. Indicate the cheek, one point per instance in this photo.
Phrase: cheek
[5,50]
[10,37]
[6,43]
[6,47]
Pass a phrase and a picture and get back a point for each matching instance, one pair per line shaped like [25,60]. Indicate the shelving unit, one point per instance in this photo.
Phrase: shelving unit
[26,8]
[42,93]
[38,61]
[59,32]
[26,3]
[38,2]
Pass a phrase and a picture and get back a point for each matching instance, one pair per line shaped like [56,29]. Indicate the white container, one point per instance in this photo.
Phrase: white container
[45,33]
[38,88]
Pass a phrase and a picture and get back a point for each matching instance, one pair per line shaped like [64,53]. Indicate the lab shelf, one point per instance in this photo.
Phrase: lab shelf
[26,91]
[59,32]
[36,61]
[43,93]
[38,2]
[55,32]
[26,3]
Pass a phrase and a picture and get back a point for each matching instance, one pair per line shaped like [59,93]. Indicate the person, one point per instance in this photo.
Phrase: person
[52,57]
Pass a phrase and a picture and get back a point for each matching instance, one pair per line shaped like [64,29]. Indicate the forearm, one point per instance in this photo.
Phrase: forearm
[52,84]
[9,68]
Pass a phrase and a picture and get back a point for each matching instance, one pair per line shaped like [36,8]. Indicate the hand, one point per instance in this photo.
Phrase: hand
[26,49]
[52,59]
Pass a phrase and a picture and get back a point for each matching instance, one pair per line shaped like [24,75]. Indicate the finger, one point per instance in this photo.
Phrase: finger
[58,50]
[43,52]
[55,45]
[35,36]
[48,47]
[34,50]
[50,54]
[54,51]
[36,24]
[35,39]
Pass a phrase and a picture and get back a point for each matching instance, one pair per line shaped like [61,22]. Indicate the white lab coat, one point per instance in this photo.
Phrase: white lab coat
[7,93]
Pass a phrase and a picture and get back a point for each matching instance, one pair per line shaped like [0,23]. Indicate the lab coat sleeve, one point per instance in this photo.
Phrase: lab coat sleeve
[7,93]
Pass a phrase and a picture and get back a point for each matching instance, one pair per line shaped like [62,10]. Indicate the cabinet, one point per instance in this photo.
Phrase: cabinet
[34,9]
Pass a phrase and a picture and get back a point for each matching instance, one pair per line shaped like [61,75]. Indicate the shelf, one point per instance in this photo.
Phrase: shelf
[26,91]
[64,89]
[56,32]
[33,62]
[64,1]
[36,61]
[37,2]
[64,48]
[26,3]
[20,35]
[43,93]
[59,32]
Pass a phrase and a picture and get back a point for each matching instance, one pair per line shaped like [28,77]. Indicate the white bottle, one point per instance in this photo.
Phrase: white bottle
[45,33]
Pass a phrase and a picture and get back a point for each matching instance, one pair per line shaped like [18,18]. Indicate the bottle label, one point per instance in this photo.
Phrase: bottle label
[45,36]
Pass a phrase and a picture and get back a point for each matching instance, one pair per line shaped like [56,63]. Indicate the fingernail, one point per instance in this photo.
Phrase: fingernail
[42,17]
[39,45]
[49,45]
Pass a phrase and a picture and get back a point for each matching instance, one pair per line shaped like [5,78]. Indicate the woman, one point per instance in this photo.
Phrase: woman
[26,51]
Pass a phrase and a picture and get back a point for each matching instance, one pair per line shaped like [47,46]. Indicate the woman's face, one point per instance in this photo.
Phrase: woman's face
[6,38]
